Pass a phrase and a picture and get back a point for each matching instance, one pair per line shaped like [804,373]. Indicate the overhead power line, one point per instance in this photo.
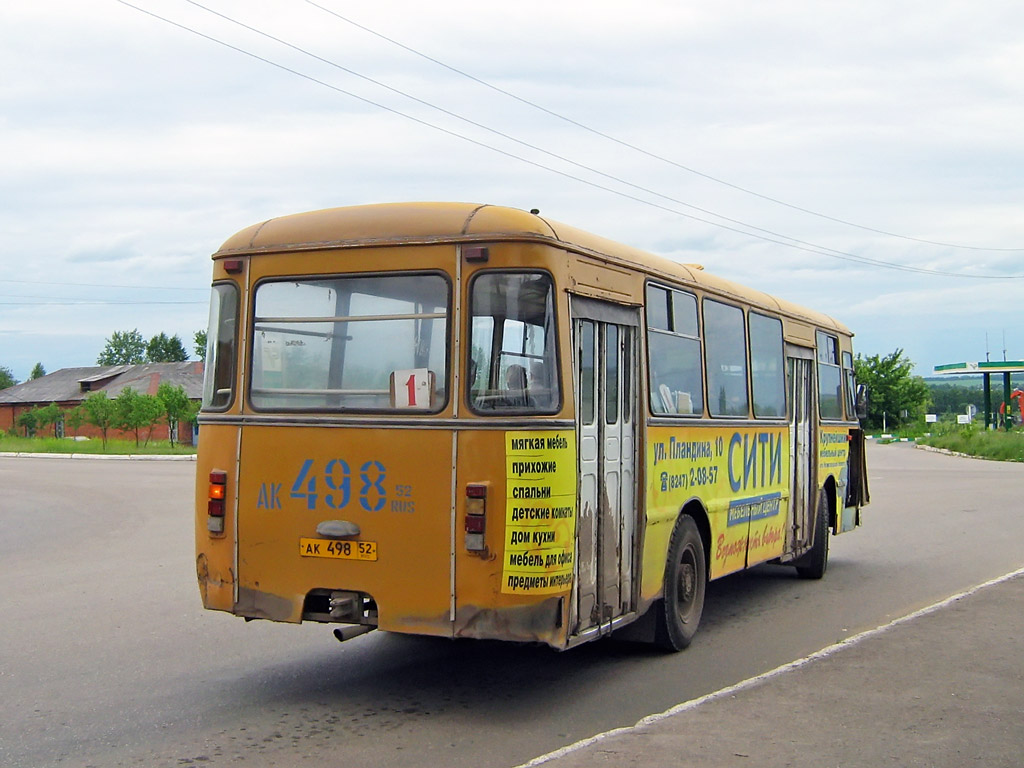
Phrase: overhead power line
[511,138]
[768,237]
[91,302]
[641,150]
[104,285]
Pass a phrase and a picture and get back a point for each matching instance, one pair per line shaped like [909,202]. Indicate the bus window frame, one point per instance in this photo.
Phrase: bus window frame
[341,412]
[744,326]
[835,349]
[647,329]
[782,362]
[233,361]
[849,385]
[558,404]
[588,409]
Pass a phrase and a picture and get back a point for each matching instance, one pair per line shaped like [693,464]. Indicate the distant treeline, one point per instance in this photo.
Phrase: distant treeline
[955,394]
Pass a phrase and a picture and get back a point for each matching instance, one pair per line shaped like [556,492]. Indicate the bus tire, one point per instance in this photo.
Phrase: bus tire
[686,578]
[814,564]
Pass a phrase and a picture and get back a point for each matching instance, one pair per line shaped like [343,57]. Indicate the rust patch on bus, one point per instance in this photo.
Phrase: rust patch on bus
[522,623]
[206,581]
[202,574]
[264,605]
[216,587]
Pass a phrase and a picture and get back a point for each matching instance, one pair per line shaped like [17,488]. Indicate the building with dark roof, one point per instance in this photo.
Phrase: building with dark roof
[68,387]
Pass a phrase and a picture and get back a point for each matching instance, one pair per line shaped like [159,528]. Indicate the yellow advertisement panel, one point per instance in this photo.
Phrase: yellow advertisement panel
[833,453]
[540,512]
[742,477]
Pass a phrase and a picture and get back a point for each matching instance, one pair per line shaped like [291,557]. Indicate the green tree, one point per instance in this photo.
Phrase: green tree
[74,418]
[126,416]
[953,398]
[151,410]
[47,415]
[177,406]
[200,344]
[892,390]
[28,421]
[100,412]
[37,372]
[6,378]
[162,349]
[123,348]
[135,412]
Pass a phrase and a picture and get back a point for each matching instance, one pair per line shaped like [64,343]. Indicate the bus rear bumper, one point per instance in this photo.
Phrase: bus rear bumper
[537,623]
[254,604]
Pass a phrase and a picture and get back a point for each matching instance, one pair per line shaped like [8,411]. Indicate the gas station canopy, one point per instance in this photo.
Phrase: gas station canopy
[1005,367]
[963,369]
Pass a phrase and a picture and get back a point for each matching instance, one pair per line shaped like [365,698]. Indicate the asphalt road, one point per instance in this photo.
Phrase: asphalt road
[107,658]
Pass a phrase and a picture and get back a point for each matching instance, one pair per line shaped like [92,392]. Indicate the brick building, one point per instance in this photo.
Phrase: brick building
[68,387]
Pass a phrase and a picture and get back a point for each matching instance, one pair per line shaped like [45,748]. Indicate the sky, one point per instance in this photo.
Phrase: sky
[865,159]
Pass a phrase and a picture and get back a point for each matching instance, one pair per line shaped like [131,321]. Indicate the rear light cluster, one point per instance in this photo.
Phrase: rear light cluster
[476,516]
[215,506]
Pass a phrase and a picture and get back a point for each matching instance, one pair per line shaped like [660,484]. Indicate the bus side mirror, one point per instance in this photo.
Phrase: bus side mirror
[862,401]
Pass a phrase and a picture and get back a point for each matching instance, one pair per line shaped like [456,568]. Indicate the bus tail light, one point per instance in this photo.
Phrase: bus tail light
[476,516]
[215,505]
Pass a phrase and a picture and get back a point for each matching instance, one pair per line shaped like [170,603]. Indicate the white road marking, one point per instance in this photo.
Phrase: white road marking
[752,681]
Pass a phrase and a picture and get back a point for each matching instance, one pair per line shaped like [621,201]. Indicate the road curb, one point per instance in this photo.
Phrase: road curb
[948,452]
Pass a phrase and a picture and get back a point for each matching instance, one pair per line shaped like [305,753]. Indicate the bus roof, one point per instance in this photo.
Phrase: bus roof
[426,223]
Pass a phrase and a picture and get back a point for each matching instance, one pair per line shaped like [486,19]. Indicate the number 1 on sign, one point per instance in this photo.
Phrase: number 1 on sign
[411,384]
[411,388]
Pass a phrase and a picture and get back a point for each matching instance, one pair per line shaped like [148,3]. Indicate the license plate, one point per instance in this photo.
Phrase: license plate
[338,550]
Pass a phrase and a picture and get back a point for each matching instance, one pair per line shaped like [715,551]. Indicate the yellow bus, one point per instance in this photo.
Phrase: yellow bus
[471,421]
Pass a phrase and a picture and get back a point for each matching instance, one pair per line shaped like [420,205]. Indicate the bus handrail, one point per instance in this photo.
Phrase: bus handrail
[353,318]
[282,391]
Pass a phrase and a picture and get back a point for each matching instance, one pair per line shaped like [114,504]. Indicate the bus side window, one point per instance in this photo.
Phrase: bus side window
[515,387]
[539,384]
[726,347]
[588,398]
[674,353]
[767,372]
[830,385]
[513,343]
[219,375]
[850,385]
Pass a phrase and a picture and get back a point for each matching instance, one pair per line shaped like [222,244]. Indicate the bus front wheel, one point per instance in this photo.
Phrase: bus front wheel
[685,581]
[813,564]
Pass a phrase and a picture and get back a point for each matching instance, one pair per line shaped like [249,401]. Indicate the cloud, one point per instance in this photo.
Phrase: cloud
[130,149]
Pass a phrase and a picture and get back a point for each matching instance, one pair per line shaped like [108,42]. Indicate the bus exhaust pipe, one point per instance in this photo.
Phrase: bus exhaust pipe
[347,633]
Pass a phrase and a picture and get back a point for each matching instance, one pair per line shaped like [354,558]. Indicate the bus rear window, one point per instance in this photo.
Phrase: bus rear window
[351,343]
[512,341]
[219,377]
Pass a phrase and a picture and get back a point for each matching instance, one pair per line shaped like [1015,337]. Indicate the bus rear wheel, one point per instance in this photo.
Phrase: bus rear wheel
[813,564]
[685,582]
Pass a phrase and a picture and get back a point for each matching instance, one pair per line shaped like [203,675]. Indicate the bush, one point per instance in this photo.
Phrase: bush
[28,421]
[974,440]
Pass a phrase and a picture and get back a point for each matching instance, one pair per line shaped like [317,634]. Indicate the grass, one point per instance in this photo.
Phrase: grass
[10,444]
[1000,446]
